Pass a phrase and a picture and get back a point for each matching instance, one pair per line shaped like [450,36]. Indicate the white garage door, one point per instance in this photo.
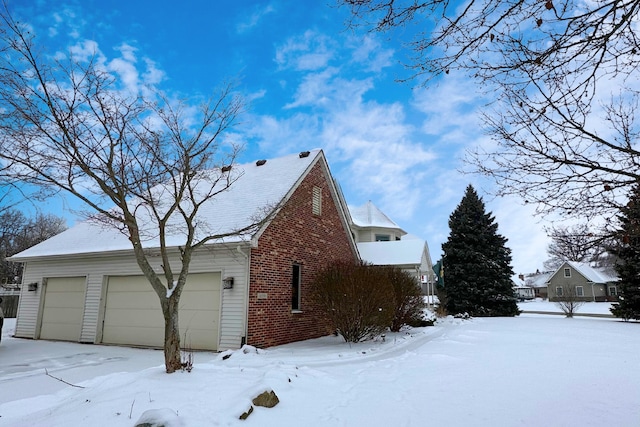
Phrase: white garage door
[63,308]
[133,315]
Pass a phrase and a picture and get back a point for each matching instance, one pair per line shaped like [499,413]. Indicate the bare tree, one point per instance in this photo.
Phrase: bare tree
[573,243]
[17,233]
[139,161]
[564,76]
[569,301]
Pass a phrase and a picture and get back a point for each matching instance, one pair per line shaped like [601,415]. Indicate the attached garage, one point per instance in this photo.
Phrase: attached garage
[63,308]
[133,316]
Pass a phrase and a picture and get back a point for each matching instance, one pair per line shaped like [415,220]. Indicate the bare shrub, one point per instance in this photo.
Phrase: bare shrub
[569,301]
[356,298]
[409,302]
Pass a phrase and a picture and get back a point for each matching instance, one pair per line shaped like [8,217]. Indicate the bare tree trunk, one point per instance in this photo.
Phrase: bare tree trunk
[172,357]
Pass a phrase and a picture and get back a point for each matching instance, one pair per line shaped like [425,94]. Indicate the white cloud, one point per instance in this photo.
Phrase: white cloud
[374,149]
[85,50]
[125,68]
[369,52]
[328,90]
[405,157]
[254,19]
[307,52]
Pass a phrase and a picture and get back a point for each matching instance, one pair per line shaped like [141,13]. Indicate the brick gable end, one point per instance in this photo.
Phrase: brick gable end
[295,236]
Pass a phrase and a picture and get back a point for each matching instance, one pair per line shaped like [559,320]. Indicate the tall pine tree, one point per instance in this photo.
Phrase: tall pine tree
[628,266]
[477,264]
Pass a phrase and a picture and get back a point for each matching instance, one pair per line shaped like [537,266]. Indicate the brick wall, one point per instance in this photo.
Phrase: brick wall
[295,236]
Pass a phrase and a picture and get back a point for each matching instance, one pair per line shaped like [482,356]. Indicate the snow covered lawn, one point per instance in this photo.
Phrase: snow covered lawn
[533,370]
[599,308]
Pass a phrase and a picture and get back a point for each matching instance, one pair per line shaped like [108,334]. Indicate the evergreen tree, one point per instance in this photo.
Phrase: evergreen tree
[477,263]
[628,267]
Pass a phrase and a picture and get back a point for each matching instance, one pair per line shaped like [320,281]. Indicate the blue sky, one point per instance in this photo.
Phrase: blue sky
[310,83]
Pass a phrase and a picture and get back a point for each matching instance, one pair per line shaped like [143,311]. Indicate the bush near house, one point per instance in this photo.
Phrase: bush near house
[409,303]
[363,300]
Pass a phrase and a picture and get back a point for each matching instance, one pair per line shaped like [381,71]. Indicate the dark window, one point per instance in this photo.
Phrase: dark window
[382,238]
[567,272]
[295,287]
[559,291]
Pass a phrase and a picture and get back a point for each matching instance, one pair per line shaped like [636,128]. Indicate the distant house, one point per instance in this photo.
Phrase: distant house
[520,289]
[590,283]
[538,282]
[84,284]
[381,241]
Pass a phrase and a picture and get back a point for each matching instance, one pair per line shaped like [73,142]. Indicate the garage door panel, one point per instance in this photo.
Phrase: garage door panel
[62,315]
[134,300]
[133,336]
[201,301]
[133,314]
[143,318]
[198,320]
[63,308]
[64,300]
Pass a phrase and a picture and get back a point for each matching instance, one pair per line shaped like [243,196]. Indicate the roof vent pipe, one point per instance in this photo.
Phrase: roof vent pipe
[304,154]
[261,162]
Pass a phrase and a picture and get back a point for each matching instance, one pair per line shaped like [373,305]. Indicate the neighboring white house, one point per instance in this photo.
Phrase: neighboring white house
[520,288]
[381,241]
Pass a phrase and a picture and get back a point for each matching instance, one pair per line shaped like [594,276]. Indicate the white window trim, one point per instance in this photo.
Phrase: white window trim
[567,272]
[581,292]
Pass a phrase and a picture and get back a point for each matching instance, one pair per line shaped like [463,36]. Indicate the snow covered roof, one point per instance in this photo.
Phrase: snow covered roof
[538,280]
[258,188]
[398,252]
[518,282]
[369,215]
[592,274]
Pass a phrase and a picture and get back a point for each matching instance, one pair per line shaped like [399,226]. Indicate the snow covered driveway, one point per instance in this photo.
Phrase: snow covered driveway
[533,370]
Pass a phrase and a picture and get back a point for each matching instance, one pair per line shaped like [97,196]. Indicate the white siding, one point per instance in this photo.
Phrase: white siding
[224,259]
[369,234]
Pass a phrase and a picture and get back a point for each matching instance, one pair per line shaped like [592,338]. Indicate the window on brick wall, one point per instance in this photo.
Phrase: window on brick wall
[317,201]
[295,287]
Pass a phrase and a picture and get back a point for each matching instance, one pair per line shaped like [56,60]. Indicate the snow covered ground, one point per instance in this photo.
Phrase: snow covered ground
[532,370]
[541,305]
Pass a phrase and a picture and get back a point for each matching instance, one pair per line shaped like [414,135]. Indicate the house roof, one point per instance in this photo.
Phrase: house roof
[592,274]
[256,190]
[369,215]
[518,282]
[398,252]
[538,280]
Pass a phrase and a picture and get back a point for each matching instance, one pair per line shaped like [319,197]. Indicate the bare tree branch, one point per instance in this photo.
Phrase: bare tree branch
[563,75]
[139,160]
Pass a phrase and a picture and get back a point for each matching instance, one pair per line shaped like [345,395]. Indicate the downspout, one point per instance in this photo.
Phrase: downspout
[243,340]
